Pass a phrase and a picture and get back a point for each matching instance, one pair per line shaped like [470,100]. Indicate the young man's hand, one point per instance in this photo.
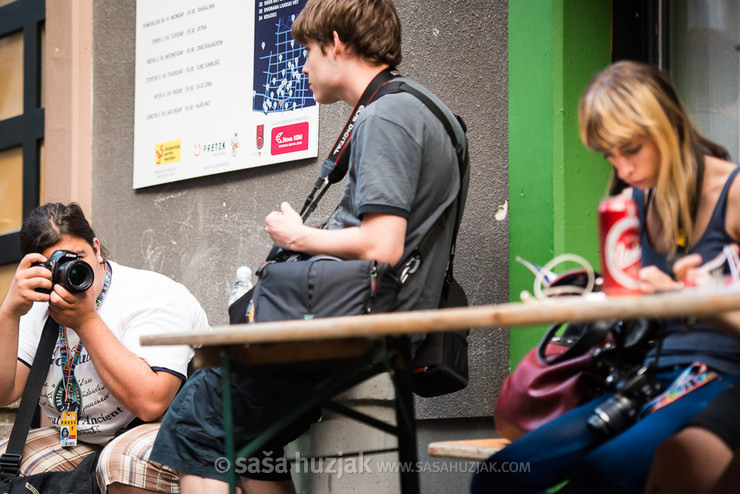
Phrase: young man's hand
[284,226]
[22,292]
[73,310]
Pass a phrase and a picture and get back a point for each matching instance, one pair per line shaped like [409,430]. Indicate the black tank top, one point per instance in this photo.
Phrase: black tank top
[700,342]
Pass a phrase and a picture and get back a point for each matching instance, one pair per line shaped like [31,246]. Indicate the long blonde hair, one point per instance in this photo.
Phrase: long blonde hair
[630,100]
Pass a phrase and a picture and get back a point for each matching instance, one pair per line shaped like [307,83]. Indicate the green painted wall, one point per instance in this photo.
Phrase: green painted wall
[555,183]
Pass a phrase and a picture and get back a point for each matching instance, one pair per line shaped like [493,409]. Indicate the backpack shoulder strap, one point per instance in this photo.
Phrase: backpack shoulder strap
[453,124]
[457,130]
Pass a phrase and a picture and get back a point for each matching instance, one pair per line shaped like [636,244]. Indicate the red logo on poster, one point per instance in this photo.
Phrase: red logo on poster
[289,138]
[260,136]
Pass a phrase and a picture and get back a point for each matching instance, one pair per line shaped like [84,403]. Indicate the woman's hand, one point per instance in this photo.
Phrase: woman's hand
[654,280]
[690,270]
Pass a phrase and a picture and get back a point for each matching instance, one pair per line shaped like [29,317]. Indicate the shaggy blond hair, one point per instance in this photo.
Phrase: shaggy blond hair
[631,100]
[370,28]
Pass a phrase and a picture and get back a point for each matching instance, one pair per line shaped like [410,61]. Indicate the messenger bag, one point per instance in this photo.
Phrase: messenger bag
[292,286]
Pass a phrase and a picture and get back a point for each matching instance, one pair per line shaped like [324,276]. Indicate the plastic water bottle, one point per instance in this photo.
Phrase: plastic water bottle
[242,284]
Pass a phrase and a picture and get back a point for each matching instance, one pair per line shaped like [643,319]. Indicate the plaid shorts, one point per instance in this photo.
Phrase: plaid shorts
[124,460]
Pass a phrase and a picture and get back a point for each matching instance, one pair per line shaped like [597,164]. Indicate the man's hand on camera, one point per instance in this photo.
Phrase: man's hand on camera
[73,310]
[22,292]
[284,226]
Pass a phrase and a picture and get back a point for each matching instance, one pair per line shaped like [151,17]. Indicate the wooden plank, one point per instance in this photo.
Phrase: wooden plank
[281,353]
[689,302]
[467,449]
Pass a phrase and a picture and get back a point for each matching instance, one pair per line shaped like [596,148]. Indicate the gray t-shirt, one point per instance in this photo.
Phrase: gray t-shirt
[402,163]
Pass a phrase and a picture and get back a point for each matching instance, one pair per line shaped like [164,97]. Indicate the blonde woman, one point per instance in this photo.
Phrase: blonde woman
[689,203]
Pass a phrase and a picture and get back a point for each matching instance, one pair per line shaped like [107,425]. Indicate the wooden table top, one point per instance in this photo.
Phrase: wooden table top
[688,302]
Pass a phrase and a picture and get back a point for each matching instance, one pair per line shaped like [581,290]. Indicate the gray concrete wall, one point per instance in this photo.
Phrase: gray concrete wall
[200,230]
[7,417]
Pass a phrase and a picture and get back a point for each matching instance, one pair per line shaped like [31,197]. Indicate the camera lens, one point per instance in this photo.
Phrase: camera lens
[612,416]
[75,276]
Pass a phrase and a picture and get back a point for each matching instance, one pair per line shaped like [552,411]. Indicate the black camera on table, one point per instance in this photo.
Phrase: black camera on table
[69,271]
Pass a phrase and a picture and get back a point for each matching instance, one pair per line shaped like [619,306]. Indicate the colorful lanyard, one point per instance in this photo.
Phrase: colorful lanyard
[68,368]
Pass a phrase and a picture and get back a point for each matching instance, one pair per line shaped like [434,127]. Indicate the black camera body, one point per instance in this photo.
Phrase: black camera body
[620,410]
[69,271]
[633,383]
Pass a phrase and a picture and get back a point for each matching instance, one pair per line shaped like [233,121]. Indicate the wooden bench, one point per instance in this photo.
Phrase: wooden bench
[467,449]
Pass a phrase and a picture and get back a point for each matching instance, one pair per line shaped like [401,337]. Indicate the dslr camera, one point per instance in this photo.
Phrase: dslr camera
[633,383]
[620,411]
[69,271]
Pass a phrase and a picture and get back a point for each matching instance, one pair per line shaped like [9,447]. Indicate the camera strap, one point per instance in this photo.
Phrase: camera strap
[335,166]
[337,163]
[10,461]
[456,130]
[693,377]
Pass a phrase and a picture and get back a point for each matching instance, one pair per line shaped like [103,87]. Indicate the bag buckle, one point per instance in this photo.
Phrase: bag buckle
[10,463]
[410,268]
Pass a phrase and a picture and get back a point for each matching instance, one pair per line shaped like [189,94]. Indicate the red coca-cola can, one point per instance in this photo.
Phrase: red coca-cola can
[621,246]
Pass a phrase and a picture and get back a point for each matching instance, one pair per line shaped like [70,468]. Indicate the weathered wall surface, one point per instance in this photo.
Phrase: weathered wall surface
[7,417]
[199,231]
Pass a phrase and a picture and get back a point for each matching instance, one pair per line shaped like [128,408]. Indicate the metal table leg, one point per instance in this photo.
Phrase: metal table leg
[228,418]
[405,429]
[405,419]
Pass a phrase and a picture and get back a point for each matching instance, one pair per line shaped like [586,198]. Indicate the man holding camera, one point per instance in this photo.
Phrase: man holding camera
[403,177]
[101,382]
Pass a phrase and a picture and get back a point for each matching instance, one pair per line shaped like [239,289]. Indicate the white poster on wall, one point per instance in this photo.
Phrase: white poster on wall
[219,88]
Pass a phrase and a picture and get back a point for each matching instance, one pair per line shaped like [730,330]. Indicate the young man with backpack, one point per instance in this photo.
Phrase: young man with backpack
[403,179]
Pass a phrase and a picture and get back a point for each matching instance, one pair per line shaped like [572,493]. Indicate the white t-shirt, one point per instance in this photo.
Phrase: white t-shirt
[138,302]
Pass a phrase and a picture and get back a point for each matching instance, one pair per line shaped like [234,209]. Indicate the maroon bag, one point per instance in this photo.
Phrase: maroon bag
[553,378]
